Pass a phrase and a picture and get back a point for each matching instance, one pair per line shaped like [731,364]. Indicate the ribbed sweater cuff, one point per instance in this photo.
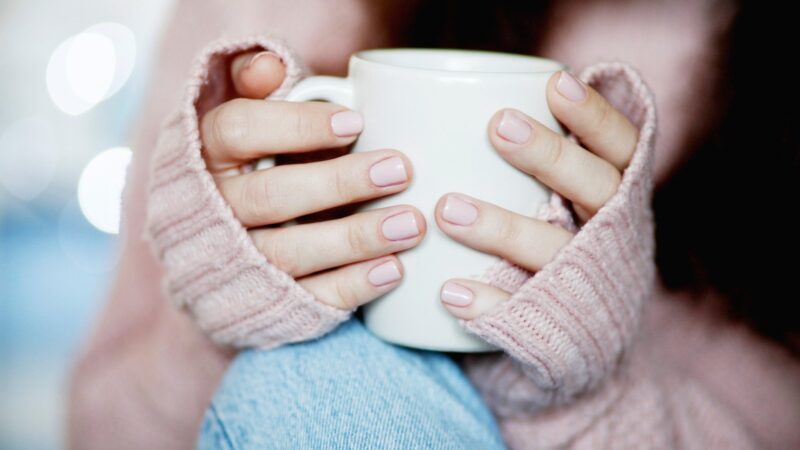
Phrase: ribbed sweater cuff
[567,326]
[211,266]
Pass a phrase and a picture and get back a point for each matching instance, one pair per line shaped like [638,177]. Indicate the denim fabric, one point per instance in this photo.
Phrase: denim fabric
[348,389]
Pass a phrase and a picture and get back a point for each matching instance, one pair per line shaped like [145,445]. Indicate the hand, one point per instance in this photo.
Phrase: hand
[588,175]
[344,262]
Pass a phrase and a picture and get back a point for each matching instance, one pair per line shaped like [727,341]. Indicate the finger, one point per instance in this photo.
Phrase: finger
[353,285]
[567,168]
[285,192]
[599,126]
[467,299]
[523,240]
[241,130]
[257,74]
[307,248]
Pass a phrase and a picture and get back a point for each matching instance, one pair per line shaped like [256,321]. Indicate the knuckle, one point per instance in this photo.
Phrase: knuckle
[258,199]
[508,230]
[551,158]
[604,114]
[341,183]
[348,181]
[600,196]
[280,252]
[273,198]
[230,125]
[614,180]
[302,124]
[346,293]
[358,241]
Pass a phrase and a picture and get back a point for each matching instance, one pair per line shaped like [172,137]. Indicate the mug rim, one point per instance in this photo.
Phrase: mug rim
[363,57]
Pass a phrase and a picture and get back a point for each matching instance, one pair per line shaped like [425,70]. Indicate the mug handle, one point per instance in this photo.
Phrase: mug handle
[321,87]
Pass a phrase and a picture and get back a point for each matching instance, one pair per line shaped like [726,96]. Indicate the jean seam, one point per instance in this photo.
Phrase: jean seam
[223,429]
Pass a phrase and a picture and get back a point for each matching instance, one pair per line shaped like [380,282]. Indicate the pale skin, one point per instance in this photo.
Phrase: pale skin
[247,128]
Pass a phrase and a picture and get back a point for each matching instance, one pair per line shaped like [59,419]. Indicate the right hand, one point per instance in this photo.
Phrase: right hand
[344,262]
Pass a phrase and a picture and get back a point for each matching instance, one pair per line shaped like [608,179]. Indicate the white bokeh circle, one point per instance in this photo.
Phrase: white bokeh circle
[91,66]
[100,188]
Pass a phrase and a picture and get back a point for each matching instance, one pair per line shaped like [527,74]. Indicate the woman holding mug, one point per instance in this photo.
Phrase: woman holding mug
[612,355]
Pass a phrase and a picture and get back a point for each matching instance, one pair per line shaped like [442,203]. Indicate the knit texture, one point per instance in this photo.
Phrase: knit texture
[568,325]
[596,354]
[645,406]
[211,266]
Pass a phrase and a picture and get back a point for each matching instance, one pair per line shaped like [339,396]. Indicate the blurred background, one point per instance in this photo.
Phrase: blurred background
[73,75]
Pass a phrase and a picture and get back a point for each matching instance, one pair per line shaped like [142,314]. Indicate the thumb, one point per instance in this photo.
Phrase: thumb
[257,74]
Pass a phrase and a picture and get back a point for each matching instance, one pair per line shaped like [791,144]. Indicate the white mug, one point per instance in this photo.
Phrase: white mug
[434,105]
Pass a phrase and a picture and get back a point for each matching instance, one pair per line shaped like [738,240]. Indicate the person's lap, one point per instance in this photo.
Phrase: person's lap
[348,389]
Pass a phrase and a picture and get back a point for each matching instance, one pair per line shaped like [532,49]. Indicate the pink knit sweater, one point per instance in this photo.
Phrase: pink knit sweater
[597,354]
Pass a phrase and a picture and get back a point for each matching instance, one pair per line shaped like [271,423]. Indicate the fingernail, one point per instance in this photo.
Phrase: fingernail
[570,87]
[458,211]
[384,273]
[514,129]
[347,123]
[456,294]
[388,172]
[400,226]
[267,53]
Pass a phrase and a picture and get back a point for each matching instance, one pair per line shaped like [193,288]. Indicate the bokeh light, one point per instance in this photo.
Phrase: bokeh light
[90,66]
[76,77]
[90,62]
[100,188]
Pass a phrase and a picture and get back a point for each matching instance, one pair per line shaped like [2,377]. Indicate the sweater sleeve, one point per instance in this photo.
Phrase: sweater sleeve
[695,379]
[568,326]
[646,404]
[212,269]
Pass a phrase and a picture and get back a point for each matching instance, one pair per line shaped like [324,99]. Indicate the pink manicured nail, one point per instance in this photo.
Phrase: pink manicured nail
[388,172]
[458,211]
[570,88]
[269,54]
[514,129]
[456,294]
[400,226]
[384,273]
[347,123]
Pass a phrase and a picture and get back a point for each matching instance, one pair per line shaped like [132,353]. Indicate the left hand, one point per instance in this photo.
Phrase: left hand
[587,175]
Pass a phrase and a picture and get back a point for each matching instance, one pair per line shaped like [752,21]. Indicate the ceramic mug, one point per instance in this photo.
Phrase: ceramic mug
[434,105]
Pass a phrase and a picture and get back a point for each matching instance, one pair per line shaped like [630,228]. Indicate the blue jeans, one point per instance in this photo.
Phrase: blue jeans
[348,389]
